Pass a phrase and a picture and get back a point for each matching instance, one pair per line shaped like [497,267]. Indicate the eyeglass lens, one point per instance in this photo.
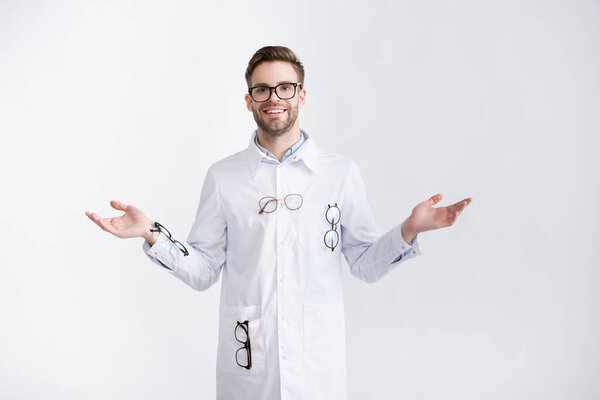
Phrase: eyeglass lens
[241,334]
[241,356]
[331,239]
[293,201]
[163,229]
[268,204]
[332,215]
[180,246]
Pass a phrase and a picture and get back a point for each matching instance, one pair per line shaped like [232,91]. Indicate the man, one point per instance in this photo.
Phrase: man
[275,219]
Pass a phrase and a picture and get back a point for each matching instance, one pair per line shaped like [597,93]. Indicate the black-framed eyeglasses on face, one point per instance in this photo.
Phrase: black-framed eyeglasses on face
[332,215]
[243,355]
[177,243]
[284,91]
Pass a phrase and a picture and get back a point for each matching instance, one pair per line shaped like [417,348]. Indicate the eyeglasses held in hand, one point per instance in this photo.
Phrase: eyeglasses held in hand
[268,204]
[332,215]
[177,243]
[243,355]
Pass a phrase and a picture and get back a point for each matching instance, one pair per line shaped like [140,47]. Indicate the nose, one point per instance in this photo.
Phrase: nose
[273,95]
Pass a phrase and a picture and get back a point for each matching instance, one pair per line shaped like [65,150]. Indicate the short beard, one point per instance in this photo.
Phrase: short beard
[275,132]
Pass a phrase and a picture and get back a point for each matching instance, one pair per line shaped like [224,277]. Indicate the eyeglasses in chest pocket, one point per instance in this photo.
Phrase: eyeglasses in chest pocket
[318,226]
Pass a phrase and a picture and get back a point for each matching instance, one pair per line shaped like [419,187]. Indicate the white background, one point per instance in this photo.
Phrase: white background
[133,101]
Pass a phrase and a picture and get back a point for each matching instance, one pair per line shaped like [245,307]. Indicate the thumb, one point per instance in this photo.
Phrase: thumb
[435,199]
[118,205]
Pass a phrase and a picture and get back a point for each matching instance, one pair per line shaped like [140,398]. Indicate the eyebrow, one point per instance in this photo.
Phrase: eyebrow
[265,84]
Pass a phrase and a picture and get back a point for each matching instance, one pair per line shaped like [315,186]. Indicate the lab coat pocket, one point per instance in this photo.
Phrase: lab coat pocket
[228,344]
[312,226]
[324,336]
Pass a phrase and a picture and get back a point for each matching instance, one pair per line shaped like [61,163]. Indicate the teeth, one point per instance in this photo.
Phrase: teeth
[274,111]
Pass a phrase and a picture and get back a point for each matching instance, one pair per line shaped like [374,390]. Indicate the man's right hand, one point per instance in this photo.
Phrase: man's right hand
[131,224]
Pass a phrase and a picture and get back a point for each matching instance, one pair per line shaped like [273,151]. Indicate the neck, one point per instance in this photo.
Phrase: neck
[280,144]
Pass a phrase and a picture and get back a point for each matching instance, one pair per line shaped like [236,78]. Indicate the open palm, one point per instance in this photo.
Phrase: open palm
[425,217]
[131,224]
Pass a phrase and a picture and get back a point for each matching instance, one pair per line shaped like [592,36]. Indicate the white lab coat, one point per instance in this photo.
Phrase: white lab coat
[277,272]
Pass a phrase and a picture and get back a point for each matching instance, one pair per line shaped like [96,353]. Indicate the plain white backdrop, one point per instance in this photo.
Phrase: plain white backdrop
[133,100]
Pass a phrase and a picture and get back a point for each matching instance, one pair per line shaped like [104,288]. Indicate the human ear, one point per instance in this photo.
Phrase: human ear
[301,98]
[248,102]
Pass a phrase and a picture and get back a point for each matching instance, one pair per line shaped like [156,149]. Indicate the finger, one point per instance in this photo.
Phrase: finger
[90,216]
[464,203]
[459,206]
[95,218]
[118,205]
[455,210]
[102,223]
[435,199]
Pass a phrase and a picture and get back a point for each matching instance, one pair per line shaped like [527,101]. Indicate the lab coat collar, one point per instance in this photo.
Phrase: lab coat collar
[306,153]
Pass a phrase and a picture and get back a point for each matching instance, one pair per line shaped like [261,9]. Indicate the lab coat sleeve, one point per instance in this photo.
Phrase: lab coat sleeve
[370,255]
[206,243]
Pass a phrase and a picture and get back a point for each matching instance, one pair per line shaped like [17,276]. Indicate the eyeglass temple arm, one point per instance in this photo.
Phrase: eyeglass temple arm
[265,206]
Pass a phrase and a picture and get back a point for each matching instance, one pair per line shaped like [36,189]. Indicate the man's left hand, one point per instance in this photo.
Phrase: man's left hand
[425,217]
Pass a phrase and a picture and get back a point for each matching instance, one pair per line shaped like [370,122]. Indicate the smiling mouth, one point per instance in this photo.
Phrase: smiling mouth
[275,112]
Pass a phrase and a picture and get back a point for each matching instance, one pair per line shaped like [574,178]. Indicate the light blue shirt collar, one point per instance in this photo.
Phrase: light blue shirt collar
[288,153]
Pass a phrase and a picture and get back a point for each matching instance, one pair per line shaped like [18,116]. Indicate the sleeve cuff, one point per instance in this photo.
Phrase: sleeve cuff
[406,250]
[399,242]
[161,252]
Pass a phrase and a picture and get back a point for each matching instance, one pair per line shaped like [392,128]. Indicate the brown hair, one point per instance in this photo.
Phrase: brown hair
[274,53]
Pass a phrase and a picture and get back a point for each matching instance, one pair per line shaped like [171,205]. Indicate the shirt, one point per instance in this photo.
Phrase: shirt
[287,153]
[277,272]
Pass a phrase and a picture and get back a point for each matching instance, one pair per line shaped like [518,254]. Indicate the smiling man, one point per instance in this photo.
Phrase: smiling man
[274,220]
